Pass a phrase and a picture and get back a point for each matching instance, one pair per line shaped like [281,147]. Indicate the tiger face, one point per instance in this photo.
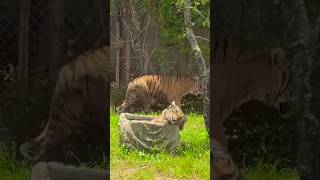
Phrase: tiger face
[241,75]
[174,115]
[279,93]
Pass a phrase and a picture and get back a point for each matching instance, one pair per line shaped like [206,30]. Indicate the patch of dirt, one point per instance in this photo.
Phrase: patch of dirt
[129,172]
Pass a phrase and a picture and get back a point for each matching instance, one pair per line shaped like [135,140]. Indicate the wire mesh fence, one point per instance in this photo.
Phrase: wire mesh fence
[158,57]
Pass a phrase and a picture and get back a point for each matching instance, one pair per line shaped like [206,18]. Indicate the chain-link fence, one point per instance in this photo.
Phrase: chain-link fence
[154,56]
[149,52]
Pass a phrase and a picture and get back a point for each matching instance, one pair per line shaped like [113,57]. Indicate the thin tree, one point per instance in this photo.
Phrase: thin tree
[203,73]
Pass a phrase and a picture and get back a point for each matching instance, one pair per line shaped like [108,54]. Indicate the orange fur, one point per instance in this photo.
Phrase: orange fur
[241,75]
[151,88]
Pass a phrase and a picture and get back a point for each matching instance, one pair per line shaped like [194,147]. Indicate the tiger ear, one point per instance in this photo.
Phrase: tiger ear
[278,59]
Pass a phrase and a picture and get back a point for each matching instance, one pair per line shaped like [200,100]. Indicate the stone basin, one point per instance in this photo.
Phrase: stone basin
[138,133]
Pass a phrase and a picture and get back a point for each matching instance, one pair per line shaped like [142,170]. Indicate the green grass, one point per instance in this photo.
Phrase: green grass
[10,170]
[191,161]
[265,171]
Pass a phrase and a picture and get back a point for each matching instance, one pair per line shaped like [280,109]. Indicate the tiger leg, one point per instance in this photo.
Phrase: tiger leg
[146,105]
[130,99]
[222,165]
[217,127]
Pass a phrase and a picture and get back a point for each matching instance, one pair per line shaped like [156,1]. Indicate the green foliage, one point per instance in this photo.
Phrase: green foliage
[117,95]
[10,169]
[171,17]
[191,103]
[257,132]
[268,171]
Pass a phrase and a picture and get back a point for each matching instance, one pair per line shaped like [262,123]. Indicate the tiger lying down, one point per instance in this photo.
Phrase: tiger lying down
[152,88]
[241,75]
[77,111]
[149,133]
[171,115]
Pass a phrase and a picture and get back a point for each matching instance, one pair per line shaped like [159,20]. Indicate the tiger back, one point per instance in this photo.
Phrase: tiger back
[241,75]
[77,110]
[150,89]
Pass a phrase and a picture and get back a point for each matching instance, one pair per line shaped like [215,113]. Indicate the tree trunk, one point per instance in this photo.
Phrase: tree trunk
[127,52]
[57,41]
[122,51]
[118,50]
[23,67]
[306,76]
[202,73]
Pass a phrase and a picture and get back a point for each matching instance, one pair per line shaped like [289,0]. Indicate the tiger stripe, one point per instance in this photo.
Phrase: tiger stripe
[159,88]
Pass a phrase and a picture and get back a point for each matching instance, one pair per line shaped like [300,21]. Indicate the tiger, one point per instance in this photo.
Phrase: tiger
[222,165]
[150,88]
[78,108]
[171,115]
[240,75]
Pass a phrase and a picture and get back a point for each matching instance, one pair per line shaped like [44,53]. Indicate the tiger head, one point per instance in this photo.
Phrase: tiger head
[280,93]
[222,165]
[264,79]
[174,115]
[195,86]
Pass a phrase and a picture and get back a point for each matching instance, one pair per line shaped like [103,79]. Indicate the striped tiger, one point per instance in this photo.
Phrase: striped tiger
[78,108]
[240,75]
[151,88]
[222,166]
[171,115]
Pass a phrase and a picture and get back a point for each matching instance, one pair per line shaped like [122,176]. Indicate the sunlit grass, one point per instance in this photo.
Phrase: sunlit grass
[191,161]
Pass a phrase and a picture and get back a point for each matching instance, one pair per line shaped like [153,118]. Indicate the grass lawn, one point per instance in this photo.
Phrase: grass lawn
[191,161]
[263,171]
[9,170]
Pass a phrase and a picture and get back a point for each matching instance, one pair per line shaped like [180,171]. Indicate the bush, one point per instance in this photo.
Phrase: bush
[117,95]
[257,131]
